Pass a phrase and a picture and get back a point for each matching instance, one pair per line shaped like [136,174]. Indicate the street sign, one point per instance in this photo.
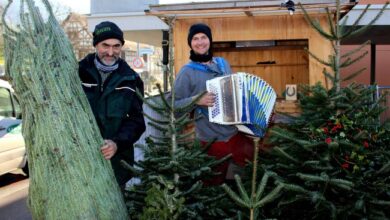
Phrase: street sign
[137,62]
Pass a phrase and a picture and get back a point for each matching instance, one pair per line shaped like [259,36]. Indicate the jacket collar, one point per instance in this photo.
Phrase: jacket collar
[124,69]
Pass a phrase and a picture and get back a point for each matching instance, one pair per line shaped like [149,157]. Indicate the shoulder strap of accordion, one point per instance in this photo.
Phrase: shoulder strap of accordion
[221,63]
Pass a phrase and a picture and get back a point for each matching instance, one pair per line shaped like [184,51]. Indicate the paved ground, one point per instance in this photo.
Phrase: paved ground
[13,197]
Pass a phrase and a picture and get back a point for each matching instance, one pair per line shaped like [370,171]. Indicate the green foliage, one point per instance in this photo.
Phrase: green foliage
[338,154]
[162,203]
[333,159]
[256,198]
[185,171]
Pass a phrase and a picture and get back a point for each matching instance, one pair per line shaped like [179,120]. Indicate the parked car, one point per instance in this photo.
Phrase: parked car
[13,155]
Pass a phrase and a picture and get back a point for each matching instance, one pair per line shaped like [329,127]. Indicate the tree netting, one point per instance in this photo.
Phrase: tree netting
[69,179]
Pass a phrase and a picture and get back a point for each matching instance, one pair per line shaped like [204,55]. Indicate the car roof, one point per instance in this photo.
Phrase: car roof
[5,84]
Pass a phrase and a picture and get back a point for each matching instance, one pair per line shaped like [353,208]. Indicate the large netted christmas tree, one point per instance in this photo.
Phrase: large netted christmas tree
[69,178]
[334,157]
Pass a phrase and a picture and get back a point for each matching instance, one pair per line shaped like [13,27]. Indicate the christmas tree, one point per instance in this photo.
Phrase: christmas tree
[175,167]
[258,197]
[334,157]
[69,178]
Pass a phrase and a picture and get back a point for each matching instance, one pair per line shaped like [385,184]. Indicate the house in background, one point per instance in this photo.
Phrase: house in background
[75,27]
[131,18]
[260,37]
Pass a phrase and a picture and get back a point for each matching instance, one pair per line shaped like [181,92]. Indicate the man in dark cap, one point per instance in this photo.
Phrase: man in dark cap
[110,85]
[190,82]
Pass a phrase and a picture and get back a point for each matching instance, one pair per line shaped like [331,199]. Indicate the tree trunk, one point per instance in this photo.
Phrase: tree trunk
[69,179]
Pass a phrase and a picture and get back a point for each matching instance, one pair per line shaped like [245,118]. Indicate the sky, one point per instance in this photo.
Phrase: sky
[83,6]
[79,6]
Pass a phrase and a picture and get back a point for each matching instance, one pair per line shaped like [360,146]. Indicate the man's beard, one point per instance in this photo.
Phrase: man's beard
[115,59]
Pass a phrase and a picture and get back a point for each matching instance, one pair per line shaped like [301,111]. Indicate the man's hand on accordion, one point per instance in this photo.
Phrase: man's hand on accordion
[208,100]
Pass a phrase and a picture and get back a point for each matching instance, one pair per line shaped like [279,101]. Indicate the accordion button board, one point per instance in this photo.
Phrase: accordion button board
[244,100]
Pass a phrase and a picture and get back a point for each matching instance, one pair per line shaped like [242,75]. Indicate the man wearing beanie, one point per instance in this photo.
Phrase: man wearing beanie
[110,85]
[191,82]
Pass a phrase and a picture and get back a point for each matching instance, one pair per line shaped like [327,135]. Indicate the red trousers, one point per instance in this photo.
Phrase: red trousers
[241,148]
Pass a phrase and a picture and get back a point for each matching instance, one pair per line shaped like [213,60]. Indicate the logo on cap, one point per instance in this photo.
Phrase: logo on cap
[101,30]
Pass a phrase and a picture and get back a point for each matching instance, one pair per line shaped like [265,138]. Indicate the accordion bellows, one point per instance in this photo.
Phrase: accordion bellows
[242,99]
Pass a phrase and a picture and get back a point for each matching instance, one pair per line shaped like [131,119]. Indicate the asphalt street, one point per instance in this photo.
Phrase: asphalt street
[13,197]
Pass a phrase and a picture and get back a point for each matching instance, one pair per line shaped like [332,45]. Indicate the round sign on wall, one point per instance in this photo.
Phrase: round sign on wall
[137,62]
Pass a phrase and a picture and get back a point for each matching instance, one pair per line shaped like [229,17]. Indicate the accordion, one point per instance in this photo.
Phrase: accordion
[243,100]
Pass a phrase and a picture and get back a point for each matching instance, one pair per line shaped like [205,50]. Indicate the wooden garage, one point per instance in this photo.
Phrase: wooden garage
[259,37]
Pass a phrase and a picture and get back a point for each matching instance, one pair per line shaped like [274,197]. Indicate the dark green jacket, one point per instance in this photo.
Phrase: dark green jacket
[117,109]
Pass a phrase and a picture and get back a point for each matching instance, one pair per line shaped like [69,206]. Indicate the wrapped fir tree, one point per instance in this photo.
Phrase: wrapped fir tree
[69,178]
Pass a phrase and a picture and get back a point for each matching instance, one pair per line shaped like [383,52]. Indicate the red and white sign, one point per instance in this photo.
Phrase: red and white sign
[137,62]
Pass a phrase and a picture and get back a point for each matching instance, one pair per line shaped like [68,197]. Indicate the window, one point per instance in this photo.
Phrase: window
[6,109]
[16,105]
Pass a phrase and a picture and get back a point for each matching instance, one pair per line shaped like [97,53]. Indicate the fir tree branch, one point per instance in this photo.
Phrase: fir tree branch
[342,27]
[153,105]
[349,53]
[217,198]
[315,24]
[380,202]
[195,187]
[309,147]
[160,138]
[347,33]
[366,27]
[384,169]
[337,27]
[348,62]
[296,188]
[316,165]
[330,22]
[234,196]
[318,59]
[338,98]
[361,15]
[345,184]
[159,128]
[282,134]
[216,162]
[283,153]
[186,136]
[348,144]
[241,189]
[164,101]
[134,171]
[275,193]
[355,74]
[190,106]
[261,187]
[183,120]
[162,122]
[160,144]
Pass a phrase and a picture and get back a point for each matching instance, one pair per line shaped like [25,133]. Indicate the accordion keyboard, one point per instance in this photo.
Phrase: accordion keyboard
[242,99]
